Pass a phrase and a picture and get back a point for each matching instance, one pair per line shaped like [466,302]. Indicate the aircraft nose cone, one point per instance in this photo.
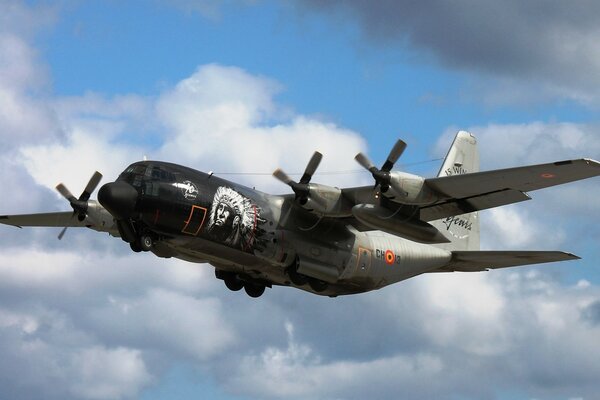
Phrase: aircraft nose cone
[119,198]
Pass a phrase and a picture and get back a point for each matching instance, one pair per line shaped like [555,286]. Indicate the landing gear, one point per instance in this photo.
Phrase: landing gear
[253,289]
[297,278]
[135,246]
[142,243]
[317,285]
[235,283]
[146,242]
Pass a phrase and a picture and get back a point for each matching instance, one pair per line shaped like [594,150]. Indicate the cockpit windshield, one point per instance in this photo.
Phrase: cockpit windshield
[136,173]
[158,173]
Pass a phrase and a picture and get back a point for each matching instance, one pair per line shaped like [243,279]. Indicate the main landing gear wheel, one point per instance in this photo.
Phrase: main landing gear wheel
[317,285]
[254,290]
[233,283]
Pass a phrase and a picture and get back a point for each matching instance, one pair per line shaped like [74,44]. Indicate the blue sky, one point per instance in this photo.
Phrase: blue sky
[240,86]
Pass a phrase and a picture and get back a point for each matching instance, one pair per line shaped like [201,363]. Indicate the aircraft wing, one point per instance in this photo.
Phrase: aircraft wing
[474,261]
[482,190]
[56,219]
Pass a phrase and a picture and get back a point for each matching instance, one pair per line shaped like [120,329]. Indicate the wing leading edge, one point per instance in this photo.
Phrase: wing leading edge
[54,219]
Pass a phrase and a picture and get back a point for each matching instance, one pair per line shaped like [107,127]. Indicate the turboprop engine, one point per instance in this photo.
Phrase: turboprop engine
[321,199]
[410,189]
[400,187]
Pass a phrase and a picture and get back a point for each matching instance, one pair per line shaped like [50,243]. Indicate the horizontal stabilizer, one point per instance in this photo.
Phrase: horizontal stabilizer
[473,261]
[56,219]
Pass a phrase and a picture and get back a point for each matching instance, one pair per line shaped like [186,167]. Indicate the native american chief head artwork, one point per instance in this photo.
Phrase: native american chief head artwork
[233,219]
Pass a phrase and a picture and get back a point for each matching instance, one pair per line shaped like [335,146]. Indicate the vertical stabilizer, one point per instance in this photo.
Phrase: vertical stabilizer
[462,158]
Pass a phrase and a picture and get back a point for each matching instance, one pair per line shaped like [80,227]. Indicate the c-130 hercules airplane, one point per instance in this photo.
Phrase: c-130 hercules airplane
[321,239]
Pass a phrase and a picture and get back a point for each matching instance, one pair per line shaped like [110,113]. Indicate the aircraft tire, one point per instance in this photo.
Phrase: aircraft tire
[317,285]
[146,243]
[254,290]
[135,246]
[233,283]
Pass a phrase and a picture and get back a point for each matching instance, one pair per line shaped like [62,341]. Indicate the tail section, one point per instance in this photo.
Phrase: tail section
[461,230]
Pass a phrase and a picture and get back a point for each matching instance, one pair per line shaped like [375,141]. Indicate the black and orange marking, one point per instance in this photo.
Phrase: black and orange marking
[195,221]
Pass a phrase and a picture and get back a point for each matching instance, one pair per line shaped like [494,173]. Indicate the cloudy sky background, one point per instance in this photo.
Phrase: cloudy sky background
[247,86]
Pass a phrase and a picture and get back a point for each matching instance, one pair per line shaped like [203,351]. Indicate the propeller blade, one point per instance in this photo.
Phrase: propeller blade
[394,155]
[62,189]
[311,167]
[62,233]
[91,186]
[364,161]
[282,176]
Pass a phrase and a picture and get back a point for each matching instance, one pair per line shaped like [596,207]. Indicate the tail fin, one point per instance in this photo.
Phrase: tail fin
[461,230]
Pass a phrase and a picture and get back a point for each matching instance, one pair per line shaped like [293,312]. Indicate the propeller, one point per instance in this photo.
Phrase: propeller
[301,188]
[382,176]
[79,205]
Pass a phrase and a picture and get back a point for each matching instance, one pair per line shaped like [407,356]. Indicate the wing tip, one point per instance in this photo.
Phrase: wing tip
[592,162]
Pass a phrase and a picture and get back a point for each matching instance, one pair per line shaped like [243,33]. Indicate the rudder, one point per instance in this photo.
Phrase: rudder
[461,230]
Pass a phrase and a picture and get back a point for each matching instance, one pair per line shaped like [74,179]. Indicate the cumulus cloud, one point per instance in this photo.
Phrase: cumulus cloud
[223,117]
[481,332]
[547,45]
[86,318]
[108,373]
[513,145]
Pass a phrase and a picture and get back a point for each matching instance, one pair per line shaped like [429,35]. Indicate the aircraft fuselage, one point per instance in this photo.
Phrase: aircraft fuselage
[263,238]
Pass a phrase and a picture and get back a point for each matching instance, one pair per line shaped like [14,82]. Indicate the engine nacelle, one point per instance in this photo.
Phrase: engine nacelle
[323,200]
[410,189]
[382,219]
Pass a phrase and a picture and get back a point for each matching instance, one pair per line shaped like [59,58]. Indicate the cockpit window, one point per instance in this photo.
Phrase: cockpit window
[136,169]
[158,173]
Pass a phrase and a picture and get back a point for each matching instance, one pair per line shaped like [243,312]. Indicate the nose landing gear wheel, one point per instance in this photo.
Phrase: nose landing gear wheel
[146,243]
[135,246]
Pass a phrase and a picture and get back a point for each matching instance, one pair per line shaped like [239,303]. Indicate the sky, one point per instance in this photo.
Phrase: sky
[241,87]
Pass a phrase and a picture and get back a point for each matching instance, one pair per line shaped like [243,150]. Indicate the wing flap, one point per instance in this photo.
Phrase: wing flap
[475,203]
[474,261]
[523,179]
[55,219]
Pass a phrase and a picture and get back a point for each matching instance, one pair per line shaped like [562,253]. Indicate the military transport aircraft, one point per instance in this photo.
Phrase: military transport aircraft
[321,239]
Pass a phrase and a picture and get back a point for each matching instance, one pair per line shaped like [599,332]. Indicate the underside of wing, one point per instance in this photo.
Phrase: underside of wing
[480,190]
[55,219]
[474,261]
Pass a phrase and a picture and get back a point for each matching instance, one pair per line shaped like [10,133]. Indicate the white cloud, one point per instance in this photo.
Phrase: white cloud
[102,373]
[224,119]
[179,324]
[490,328]
[513,227]
[94,320]
[510,145]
